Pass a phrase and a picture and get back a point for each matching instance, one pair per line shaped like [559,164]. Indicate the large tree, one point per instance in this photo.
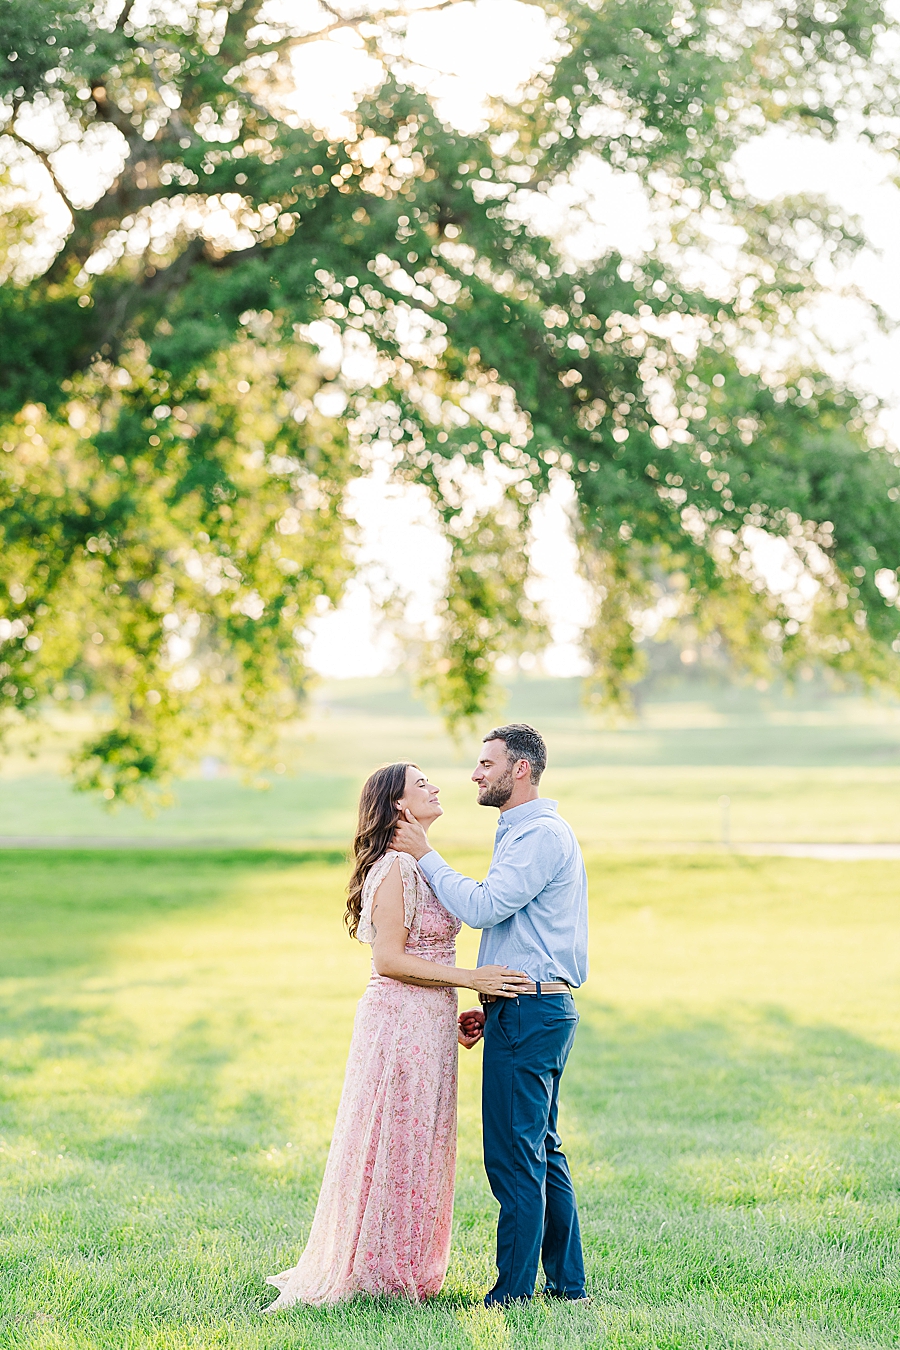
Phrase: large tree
[244,310]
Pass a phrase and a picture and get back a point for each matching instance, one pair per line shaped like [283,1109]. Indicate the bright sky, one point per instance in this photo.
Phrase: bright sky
[468,54]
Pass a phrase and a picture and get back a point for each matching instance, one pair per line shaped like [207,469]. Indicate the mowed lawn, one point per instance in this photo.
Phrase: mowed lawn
[173,1028]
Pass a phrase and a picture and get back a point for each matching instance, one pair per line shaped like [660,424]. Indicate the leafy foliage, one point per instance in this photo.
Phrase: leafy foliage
[240,271]
[166,552]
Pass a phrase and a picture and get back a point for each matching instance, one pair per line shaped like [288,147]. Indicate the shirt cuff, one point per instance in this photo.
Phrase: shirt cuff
[430,863]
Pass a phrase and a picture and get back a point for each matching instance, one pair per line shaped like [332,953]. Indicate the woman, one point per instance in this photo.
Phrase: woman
[382,1224]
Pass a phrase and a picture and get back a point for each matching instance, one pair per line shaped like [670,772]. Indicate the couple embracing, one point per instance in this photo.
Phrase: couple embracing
[383,1221]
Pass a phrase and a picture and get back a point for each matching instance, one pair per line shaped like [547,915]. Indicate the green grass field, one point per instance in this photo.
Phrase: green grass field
[173,1027]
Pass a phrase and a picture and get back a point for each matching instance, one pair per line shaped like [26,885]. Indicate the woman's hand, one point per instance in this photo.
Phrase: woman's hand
[499,981]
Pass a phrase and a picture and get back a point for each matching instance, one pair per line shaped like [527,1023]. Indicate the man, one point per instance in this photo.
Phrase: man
[532,907]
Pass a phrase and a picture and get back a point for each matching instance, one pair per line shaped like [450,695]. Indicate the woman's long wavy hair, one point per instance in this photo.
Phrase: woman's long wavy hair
[374,831]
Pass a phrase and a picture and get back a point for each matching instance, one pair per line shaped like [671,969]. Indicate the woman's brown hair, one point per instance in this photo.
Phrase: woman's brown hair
[374,831]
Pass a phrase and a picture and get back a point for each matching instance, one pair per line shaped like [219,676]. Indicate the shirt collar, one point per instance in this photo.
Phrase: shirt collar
[517,814]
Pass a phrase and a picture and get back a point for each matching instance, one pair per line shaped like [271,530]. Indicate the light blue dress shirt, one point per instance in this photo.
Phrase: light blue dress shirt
[532,905]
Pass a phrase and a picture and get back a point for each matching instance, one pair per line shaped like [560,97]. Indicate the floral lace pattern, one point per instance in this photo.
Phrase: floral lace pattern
[382,1223]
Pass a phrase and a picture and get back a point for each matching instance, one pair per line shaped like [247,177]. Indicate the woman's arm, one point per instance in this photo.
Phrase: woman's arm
[393,961]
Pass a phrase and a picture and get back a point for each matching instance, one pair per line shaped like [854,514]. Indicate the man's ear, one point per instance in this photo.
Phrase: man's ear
[522,767]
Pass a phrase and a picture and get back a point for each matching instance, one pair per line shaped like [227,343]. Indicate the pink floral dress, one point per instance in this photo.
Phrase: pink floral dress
[382,1224]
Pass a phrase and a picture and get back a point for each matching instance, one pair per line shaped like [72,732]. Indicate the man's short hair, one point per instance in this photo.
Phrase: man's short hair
[522,742]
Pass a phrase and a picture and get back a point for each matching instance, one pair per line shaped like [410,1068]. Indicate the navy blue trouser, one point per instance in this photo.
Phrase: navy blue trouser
[526,1044]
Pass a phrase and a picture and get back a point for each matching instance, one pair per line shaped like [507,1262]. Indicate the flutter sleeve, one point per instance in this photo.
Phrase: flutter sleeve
[409,878]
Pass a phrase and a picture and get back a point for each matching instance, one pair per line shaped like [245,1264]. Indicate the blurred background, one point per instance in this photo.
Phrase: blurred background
[810,767]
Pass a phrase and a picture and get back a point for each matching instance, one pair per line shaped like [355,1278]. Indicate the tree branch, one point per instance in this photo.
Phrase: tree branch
[45,160]
[340,22]
[125,15]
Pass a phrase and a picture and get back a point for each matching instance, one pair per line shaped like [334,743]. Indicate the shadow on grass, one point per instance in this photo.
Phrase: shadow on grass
[738,1175]
[61,909]
[194,1134]
[749,1163]
[647,1093]
[685,1246]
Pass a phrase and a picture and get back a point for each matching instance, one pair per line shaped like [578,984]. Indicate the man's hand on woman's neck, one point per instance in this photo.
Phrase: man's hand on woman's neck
[409,837]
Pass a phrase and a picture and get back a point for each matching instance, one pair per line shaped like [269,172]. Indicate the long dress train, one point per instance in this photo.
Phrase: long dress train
[382,1223]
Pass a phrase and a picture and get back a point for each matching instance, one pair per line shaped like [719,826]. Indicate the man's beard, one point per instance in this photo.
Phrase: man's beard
[499,793]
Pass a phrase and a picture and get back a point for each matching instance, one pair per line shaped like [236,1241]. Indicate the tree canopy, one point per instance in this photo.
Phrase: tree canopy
[241,311]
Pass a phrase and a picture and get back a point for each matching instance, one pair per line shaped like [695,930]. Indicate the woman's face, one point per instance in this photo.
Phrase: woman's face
[420,798]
